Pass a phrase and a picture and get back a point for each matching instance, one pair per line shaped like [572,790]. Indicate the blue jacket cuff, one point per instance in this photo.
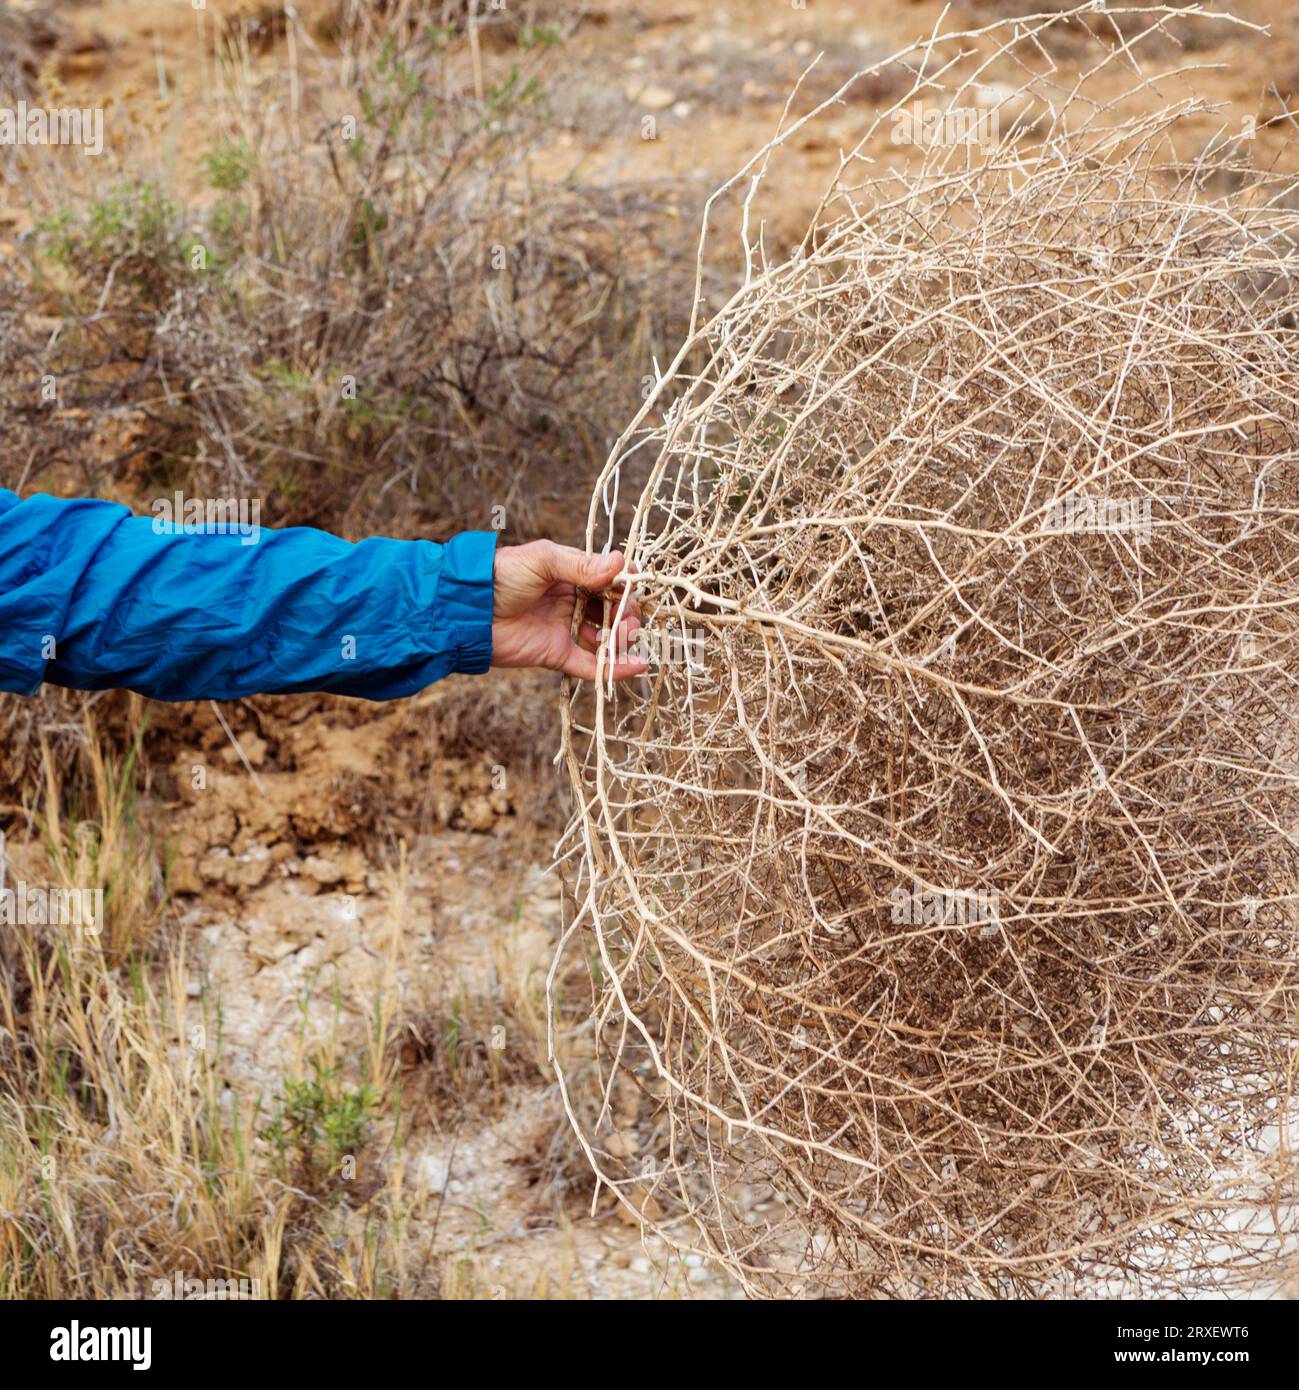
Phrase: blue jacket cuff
[465,599]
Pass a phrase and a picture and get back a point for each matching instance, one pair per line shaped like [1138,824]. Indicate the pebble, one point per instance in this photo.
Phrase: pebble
[655,98]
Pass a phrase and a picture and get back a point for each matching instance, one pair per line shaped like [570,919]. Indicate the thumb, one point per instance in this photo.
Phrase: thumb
[568,565]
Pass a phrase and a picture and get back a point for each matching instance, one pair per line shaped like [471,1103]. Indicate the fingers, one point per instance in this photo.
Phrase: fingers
[580,660]
[589,636]
[581,665]
[592,628]
[567,565]
[595,611]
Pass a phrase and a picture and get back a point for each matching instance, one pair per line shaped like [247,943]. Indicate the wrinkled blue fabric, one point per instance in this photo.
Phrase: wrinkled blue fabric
[94,598]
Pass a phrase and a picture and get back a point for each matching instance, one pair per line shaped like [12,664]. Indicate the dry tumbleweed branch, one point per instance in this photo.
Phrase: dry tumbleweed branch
[942,908]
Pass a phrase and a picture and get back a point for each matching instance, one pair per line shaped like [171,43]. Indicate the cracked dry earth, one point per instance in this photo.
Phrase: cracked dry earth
[307,888]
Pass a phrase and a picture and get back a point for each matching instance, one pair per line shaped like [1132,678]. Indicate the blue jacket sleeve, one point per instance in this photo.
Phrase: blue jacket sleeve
[94,598]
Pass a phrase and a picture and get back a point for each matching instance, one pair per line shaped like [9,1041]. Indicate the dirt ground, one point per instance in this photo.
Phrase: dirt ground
[320,847]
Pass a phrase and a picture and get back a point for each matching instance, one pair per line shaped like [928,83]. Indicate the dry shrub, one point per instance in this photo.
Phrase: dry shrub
[421,335]
[529,21]
[125,1155]
[1185,25]
[381,318]
[946,905]
[26,35]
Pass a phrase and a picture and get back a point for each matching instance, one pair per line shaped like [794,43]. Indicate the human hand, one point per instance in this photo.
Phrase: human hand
[535,585]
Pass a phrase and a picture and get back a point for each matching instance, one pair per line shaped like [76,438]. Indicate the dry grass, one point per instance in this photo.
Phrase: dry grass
[362,23]
[498,326]
[379,314]
[125,1157]
[933,673]
[131,1151]
[25,37]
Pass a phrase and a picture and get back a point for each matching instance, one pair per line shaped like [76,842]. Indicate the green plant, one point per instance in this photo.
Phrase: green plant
[229,165]
[317,1123]
[129,236]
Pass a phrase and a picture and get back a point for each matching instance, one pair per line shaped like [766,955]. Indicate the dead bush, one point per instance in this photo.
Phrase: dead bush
[947,900]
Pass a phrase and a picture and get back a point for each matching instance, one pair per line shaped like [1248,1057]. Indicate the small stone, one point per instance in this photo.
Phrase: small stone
[268,948]
[644,1202]
[246,870]
[477,814]
[654,98]
[436,1172]
[325,872]
[254,749]
[622,1145]
[75,65]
